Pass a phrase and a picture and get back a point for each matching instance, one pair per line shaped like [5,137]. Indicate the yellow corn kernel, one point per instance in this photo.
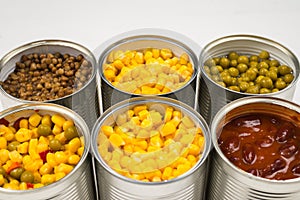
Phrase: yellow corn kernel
[167,173]
[34,166]
[146,124]
[67,124]
[24,123]
[23,135]
[46,169]
[65,168]
[166,53]
[139,57]
[107,130]
[56,129]
[128,148]
[201,141]
[118,64]
[73,159]
[46,120]
[34,133]
[168,114]
[156,141]
[38,185]
[9,132]
[23,186]
[60,157]
[15,156]
[168,128]
[182,168]
[184,58]
[74,144]
[51,159]
[48,179]
[80,151]
[143,114]
[4,156]
[155,53]
[59,176]
[23,148]
[61,137]
[27,159]
[142,144]
[192,159]
[156,179]
[148,55]
[187,122]
[11,186]
[58,120]
[3,143]
[35,119]
[149,90]
[116,140]
[32,149]
[138,109]
[175,121]
[7,164]
[109,74]
[194,149]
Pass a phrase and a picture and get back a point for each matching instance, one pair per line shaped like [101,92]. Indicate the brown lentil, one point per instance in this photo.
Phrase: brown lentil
[42,77]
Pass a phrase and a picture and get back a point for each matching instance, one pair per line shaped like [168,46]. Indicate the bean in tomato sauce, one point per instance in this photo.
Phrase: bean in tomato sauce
[263,145]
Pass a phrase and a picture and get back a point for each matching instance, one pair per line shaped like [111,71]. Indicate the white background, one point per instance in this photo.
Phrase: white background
[93,22]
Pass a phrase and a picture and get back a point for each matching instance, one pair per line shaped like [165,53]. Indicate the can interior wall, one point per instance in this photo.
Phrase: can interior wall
[136,41]
[84,101]
[78,184]
[212,96]
[226,181]
[112,185]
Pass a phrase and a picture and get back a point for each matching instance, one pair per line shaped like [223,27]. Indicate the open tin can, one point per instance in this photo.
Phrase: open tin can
[153,75]
[78,184]
[227,180]
[83,99]
[214,96]
[115,184]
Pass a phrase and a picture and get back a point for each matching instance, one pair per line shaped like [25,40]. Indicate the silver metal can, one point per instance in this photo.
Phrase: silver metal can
[139,40]
[213,96]
[78,184]
[227,181]
[112,185]
[84,101]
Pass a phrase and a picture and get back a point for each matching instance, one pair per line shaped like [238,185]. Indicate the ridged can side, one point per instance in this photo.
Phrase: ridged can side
[78,184]
[227,181]
[190,185]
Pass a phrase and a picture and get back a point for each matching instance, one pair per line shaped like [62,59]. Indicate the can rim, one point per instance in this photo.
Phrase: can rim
[156,99]
[66,112]
[240,102]
[149,34]
[49,42]
[248,37]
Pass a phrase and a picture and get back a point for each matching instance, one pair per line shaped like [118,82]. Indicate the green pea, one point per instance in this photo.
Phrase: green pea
[253,64]
[283,70]
[217,60]
[242,67]
[262,64]
[264,55]
[234,87]
[275,69]
[266,82]
[221,84]
[280,84]
[206,69]
[2,171]
[272,74]
[251,73]
[17,172]
[274,63]
[288,78]
[253,89]
[233,55]
[214,70]
[234,72]
[27,177]
[227,79]
[55,144]
[12,146]
[210,62]
[254,58]
[244,86]
[233,63]
[224,62]
[71,133]
[44,130]
[264,91]
[263,71]
[243,59]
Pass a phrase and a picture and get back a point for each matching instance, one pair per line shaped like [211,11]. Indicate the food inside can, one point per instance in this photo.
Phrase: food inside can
[254,74]
[38,150]
[148,71]
[264,145]
[47,76]
[151,143]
